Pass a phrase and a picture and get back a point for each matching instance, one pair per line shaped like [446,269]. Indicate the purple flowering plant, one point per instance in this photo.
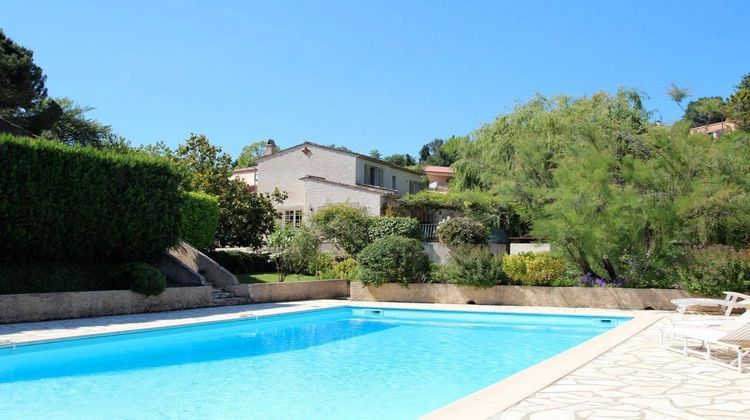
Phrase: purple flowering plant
[591,280]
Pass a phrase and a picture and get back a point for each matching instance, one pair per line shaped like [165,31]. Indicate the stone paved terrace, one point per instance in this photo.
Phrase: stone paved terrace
[634,379]
[640,380]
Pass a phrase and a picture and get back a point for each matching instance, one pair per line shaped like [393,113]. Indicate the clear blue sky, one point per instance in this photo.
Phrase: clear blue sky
[390,75]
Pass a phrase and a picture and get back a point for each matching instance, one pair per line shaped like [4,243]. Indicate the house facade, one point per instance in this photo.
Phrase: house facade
[714,130]
[438,176]
[314,176]
[247,175]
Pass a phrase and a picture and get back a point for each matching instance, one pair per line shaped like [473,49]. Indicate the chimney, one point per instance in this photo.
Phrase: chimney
[271,148]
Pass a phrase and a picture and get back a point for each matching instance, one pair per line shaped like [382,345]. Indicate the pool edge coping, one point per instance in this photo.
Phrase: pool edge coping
[498,397]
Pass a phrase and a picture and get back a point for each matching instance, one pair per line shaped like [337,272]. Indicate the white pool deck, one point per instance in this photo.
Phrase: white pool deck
[623,373]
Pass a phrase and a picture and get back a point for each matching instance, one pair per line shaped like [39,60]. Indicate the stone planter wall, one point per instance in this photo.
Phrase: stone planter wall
[572,297]
[298,290]
[47,306]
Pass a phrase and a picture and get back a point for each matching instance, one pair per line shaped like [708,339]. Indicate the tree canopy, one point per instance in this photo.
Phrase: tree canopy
[706,110]
[250,154]
[23,94]
[616,194]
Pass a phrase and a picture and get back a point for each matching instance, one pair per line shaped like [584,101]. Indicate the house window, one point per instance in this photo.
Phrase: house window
[393,182]
[255,177]
[293,218]
[373,175]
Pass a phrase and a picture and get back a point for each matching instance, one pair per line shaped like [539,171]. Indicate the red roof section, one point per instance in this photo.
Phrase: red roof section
[438,170]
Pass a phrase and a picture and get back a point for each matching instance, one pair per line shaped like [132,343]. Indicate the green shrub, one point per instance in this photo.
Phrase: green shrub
[715,269]
[462,231]
[347,226]
[140,278]
[71,203]
[346,269]
[200,216]
[292,249]
[55,276]
[408,227]
[473,266]
[321,265]
[393,259]
[239,262]
[534,269]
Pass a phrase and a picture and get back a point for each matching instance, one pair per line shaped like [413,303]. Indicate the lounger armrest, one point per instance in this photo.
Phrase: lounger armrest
[735,296]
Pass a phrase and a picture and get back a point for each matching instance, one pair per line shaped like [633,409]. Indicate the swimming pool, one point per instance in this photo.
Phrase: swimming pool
[347,363]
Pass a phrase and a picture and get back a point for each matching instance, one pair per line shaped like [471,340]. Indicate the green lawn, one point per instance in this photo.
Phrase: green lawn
[271,278]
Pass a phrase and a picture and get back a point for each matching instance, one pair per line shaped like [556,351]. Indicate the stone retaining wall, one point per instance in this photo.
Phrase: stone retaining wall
[47,306]
[572,297]
[298,290]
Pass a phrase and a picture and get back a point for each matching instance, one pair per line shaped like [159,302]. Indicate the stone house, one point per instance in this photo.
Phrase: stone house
[314,176]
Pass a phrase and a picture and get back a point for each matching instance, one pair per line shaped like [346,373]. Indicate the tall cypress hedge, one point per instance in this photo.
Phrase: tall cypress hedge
[200,216]
[71,203]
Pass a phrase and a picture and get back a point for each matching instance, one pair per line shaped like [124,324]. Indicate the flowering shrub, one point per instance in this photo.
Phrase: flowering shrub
[590,280]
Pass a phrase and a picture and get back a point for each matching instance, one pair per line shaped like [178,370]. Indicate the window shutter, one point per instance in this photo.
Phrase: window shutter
[367,174]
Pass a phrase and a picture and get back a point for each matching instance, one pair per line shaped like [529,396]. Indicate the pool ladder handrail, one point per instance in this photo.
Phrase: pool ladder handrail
[8,343]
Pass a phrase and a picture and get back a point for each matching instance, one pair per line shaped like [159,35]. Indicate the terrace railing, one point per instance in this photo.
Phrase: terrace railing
[429,232]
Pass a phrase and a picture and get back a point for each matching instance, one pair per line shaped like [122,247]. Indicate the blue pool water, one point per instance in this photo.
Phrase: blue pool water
[343,363]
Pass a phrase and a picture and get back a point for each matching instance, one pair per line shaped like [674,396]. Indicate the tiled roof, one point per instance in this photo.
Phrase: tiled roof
[438,170]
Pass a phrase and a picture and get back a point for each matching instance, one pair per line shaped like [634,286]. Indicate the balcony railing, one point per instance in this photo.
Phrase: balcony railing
[429,232]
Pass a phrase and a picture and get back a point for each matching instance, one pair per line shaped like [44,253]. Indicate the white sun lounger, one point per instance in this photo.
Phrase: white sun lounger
[713,321]
[731,301]
[737,340]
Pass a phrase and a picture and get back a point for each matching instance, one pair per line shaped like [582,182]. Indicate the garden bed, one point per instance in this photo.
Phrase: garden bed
[572,297]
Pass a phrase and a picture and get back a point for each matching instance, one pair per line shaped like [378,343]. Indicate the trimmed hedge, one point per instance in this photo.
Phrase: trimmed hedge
[238,262]
[400,226]
[393,259]
[200,216]
[73,203]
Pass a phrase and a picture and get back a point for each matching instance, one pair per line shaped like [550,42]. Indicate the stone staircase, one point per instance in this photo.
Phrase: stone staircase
[221,297]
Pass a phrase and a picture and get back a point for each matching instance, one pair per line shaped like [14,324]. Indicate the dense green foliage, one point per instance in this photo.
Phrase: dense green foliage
[712,270]
[74,127]
[704,111]
[239,262]
[23,95]
[461,231]
[473,266]
[250,154]
[393,259]
[245,218]
[534,269]
[55,276]
[345,269]
[441,152]
[294,250]
[349,227]
[200,216]
[140,278]
[399,226]
[616,194]
[82,204]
